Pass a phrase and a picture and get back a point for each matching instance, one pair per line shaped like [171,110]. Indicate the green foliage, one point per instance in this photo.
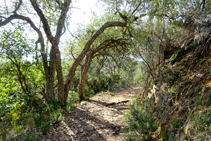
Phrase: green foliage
[73,100]
[34,113]
[208,102]
[16,121]
[45,115]
[21,90]
[171,136]
[140,122]
[175,123]
[163,135]
[200,121]
[103,83]
[200,99]
[14,46]
[174,56]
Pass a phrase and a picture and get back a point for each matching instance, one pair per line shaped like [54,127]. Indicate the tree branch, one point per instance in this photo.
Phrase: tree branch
[61,20]
[40,36]
[136,8]
[17,7]
[46,26]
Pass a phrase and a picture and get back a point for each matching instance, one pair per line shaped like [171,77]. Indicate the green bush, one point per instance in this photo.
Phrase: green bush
[46,115]
[16,121]
[139,122]
[72,100]
[23,118]
[103,83]
[201,122]
[208,102]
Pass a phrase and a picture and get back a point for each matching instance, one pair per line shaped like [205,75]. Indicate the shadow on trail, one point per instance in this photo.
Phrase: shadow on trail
[119,107]
[80,119]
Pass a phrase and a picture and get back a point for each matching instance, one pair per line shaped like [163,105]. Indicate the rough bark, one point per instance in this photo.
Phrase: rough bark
[58,64]
[85,69]
[51,69]
[55,57]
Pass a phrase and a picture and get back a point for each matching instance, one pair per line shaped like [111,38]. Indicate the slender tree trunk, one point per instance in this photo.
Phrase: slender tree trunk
[50,77]
[85,69]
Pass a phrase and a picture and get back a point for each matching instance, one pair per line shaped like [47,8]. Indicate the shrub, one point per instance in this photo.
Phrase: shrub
[103,83]
[201,122]
[21,120]
[140,122]
[15,122]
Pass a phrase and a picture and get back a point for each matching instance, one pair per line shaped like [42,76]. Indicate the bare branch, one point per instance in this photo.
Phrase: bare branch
[46,26]
[61,20]
[136,7]
[17,7]
[71,51]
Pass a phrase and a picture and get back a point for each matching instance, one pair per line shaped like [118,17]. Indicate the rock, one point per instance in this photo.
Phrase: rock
[79,125]
[89,128]
[83,134]
[76,132]
[93,137]
[83,103]
[81,130]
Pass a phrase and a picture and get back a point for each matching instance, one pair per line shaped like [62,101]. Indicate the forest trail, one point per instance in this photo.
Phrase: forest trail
[98,119]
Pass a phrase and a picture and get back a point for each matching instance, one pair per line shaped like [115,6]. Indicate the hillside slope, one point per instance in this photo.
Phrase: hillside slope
[182,94]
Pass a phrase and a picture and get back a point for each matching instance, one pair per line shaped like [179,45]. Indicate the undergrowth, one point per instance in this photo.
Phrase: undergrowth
[140,122]
[22,121]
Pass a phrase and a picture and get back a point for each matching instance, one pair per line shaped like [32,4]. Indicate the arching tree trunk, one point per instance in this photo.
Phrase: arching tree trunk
[78,60]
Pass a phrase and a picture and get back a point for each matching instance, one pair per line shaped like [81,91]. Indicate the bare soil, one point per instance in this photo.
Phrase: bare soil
[98,119]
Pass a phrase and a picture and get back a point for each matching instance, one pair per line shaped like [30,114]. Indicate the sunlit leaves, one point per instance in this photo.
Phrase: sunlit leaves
[14,46]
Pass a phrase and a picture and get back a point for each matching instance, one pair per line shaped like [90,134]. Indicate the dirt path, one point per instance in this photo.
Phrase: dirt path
[98,119]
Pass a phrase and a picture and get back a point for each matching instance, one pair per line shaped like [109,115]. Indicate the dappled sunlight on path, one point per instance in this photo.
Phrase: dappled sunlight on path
[98,119]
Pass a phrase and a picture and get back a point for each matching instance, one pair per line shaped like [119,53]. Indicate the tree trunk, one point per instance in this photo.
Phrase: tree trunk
[50,86]
[61,97]
[85,69]
[50,76]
